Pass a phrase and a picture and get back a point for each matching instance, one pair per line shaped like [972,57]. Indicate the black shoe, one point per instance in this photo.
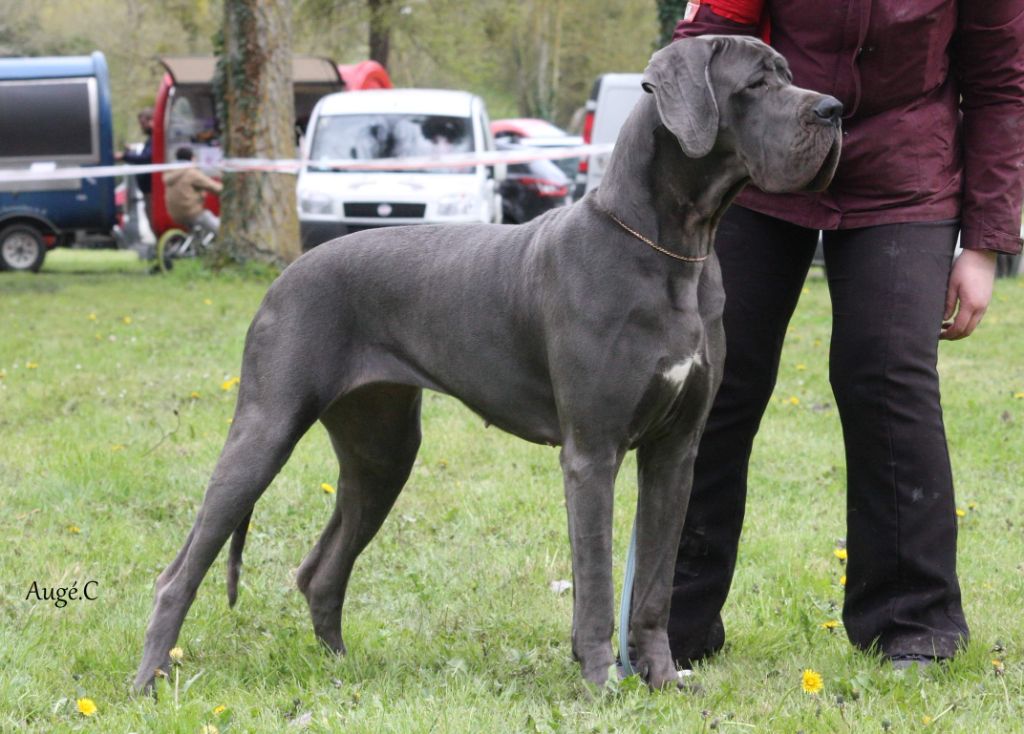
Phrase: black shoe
[903,662]
[690,654]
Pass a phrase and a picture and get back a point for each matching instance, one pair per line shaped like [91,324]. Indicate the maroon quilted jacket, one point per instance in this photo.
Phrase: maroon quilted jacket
[933,97]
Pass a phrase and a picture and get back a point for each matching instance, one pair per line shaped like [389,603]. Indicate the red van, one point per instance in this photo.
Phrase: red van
[184,113]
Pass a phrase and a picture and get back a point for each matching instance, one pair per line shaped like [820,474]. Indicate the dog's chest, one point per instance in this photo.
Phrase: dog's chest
[679,372]
[677,388]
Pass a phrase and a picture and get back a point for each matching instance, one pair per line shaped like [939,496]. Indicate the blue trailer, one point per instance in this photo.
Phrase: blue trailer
[54,113]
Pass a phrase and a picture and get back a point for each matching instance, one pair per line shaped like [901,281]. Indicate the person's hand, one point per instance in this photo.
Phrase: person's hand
[969,293]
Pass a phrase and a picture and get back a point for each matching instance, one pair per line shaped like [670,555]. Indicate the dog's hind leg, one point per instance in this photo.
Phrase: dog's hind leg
[258,444]
[376,434]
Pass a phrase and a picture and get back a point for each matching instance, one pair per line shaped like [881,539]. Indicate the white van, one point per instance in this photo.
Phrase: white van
[612,98]
[395,123]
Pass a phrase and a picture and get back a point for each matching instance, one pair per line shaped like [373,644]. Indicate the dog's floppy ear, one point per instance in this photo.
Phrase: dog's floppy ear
[679,77]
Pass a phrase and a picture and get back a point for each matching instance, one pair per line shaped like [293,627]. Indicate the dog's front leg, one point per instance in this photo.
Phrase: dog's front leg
[589,476]
[665,477]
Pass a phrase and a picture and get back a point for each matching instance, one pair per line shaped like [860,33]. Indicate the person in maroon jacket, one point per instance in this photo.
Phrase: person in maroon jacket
[933,145]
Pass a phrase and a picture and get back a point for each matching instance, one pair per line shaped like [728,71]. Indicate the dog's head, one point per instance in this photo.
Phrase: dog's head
[735,94]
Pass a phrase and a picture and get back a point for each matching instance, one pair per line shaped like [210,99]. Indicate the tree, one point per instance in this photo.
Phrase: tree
[348,30]
[670,12]
[259,219]
[381,12]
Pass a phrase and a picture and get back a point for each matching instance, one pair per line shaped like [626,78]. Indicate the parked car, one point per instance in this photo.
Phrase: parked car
[54,113]
[537,133]
[532,188]
[611,100]
[395,123]
[517,128]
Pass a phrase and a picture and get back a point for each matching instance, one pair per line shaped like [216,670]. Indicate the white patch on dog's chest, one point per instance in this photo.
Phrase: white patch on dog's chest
[677,373]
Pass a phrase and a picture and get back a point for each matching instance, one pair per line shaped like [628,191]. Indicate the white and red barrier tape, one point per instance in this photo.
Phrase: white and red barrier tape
[51,172]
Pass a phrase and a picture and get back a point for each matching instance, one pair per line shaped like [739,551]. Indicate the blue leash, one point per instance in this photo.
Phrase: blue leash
[626,604]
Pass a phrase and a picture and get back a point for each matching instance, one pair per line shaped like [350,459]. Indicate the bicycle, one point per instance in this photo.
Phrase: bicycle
[175,244]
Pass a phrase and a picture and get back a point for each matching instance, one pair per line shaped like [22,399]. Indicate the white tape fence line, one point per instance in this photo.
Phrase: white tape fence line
[44,171]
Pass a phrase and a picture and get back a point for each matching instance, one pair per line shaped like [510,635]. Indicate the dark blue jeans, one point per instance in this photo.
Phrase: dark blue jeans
[887,285]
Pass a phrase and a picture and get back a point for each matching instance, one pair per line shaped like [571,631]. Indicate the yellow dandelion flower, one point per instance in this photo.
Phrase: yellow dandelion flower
[840,553]
[960,513]
[972,505]
[176,655]
[327,488]
[207,301]
[229,383]
[117,447]
[74,529]
[830,624]
[998,666]
[86,706]
[92,317]
[127,319]
[926,720]
[31,366]
[218,710]
[842,580]
[793,400]
[194,395]
[811,681]
[805,291]
[1019,395]
[801,367]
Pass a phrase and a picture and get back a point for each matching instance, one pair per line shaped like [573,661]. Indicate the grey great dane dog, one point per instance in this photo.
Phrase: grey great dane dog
[596,328]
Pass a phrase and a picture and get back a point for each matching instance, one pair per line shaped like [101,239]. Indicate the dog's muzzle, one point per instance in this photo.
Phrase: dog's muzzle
[828,111]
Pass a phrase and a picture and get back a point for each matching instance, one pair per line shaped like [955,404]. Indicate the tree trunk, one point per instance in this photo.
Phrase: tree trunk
[380,30]
[259,220]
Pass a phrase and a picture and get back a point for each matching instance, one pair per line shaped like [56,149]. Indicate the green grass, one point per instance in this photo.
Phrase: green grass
[112,413]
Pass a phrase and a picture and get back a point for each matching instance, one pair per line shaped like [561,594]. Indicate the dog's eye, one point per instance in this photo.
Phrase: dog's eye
[759,84]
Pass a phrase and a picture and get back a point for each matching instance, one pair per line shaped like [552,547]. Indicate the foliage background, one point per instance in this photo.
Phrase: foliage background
[534,58]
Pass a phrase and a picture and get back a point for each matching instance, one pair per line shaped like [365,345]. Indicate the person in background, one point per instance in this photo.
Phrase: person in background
[143,157]
[185,194]
[933,145]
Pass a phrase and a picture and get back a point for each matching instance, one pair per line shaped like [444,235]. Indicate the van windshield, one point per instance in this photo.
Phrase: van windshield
[373,136]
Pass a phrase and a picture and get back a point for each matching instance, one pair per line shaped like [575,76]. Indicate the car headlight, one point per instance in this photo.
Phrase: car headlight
[456,205]
[315,202]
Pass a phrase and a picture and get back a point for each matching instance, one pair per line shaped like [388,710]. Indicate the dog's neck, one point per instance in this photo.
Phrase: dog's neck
[652,186]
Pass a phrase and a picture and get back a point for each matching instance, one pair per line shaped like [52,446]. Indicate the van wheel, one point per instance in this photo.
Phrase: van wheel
[21,248]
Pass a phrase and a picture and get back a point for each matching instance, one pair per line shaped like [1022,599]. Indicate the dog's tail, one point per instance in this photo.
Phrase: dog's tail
[235,558]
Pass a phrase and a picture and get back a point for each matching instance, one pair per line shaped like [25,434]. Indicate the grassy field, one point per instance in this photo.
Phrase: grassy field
[115,394]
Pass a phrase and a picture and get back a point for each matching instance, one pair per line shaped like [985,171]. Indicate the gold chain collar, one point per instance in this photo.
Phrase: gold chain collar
[650,242]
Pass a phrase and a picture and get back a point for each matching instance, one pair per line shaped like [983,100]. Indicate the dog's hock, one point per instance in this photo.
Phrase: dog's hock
[679,77]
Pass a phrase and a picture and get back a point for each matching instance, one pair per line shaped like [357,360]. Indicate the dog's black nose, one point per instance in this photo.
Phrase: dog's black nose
[828,111]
